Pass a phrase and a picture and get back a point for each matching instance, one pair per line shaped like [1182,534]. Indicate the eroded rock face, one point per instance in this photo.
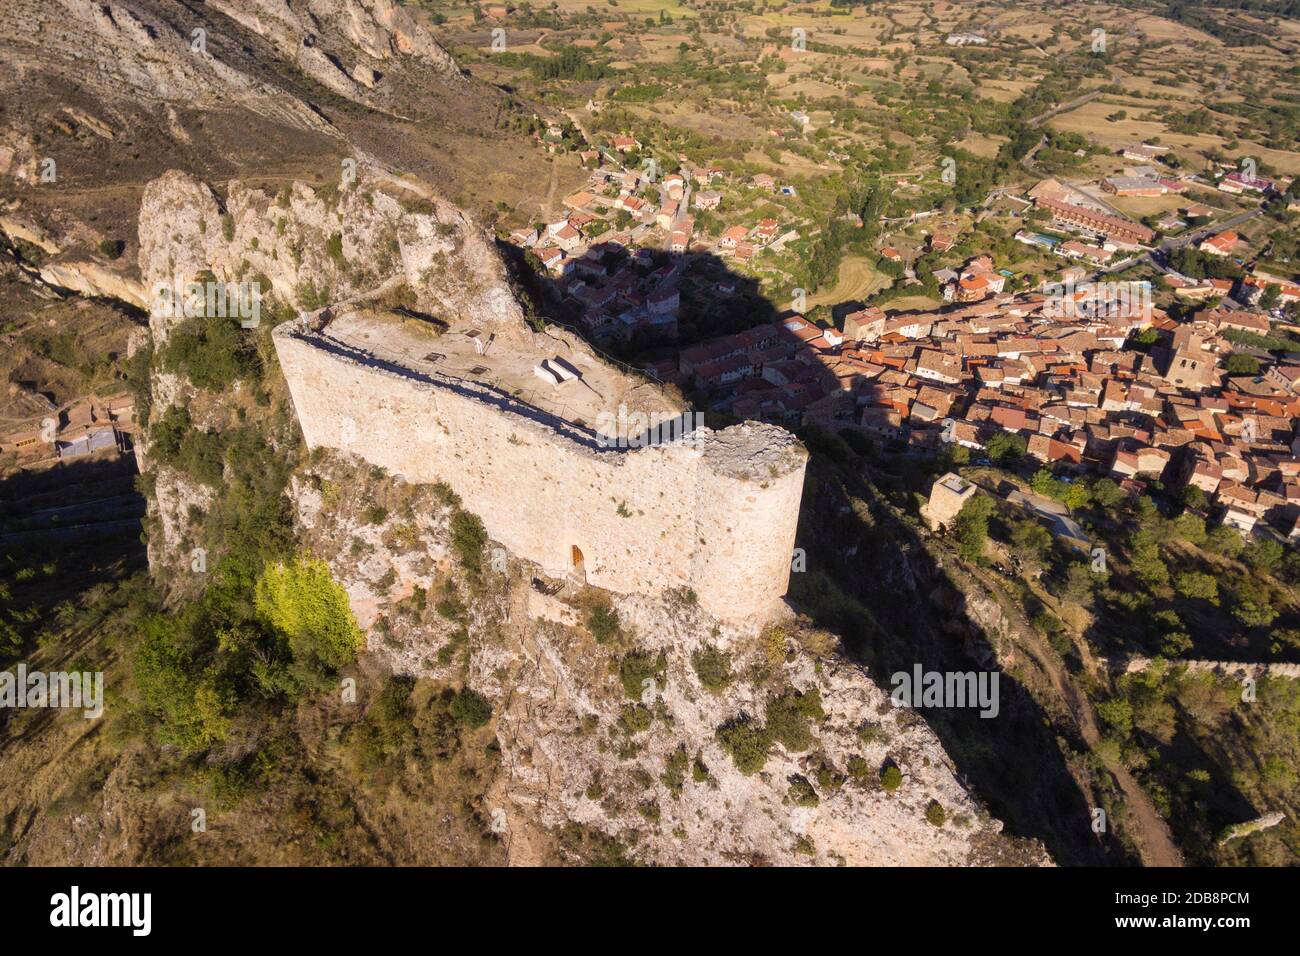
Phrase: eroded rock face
[131,47]
[378,33]
[303,248]
[96,280]
[163,53]
[649,771]
[312,247]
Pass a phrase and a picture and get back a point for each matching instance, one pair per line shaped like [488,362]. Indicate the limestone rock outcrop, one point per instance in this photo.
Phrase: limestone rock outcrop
[319,246]
[649,772]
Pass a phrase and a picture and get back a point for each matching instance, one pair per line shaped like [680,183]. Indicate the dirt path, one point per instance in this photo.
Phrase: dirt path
[1155,843]
[1066,106]
[549,208]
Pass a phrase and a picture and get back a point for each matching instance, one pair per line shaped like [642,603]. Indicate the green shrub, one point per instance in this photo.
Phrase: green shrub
[202,456]
[746,741]
[167,434]
[451,606]
[636,668]
[699,769]
[635,718]
[674,775]
[891,778]
[713,667]
[788,716]
[301,601]
[310,297]
[801,792]
[471,708]
[442,491]
[213,352]
[334,249]
[936,814]
[602,621]
[112,248]
[468,539]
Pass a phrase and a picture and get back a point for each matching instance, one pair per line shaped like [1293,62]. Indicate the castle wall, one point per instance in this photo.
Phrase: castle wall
[716,514]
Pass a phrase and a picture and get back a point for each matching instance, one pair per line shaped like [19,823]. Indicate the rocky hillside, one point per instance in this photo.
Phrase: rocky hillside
[102,98]
[330,664]
[661,735]
[678,739]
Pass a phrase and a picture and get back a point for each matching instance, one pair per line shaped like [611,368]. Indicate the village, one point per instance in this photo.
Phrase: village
[1071,374]
[87,426]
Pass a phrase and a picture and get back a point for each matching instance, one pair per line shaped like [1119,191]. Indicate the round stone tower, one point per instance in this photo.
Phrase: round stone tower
[747,510]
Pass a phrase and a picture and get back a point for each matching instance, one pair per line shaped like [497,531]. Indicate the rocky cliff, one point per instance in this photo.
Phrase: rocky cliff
[617,733]
[666,736]
[500,719]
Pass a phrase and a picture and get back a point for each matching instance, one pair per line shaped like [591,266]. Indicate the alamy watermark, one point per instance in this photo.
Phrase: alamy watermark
[128,910]
[624,429]
[922,688]
[75,690]
[212,300]
[1097,300]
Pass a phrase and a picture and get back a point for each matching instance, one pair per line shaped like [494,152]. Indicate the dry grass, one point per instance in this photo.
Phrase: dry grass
[857,280]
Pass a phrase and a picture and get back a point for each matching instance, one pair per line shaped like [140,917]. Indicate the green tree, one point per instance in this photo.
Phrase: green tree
[971,527]
[1196,584]
[1223,540]
[301,601]
[1241,364]
[1032,542]
[1118,715]
[1007,446]
[1262,554]
[1145,560]
[170,665]
[1192,497]
[1253,603]
[1106,493]
[1190,528]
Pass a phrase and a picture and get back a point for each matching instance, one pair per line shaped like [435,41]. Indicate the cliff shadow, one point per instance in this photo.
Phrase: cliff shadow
[608,297]
[65,530]
[872,580]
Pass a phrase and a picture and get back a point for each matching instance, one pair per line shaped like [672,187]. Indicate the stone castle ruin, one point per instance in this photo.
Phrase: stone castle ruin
[457,387]
[714,512]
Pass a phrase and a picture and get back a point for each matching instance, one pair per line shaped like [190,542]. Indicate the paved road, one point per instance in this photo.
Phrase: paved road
[1027,160]
[1159,257]
[1169,245]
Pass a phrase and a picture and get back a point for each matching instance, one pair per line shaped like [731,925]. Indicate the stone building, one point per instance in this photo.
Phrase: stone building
[715,513]
[947,497]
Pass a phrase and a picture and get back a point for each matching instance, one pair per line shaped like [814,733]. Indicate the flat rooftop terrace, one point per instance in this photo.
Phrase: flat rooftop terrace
[505,363]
